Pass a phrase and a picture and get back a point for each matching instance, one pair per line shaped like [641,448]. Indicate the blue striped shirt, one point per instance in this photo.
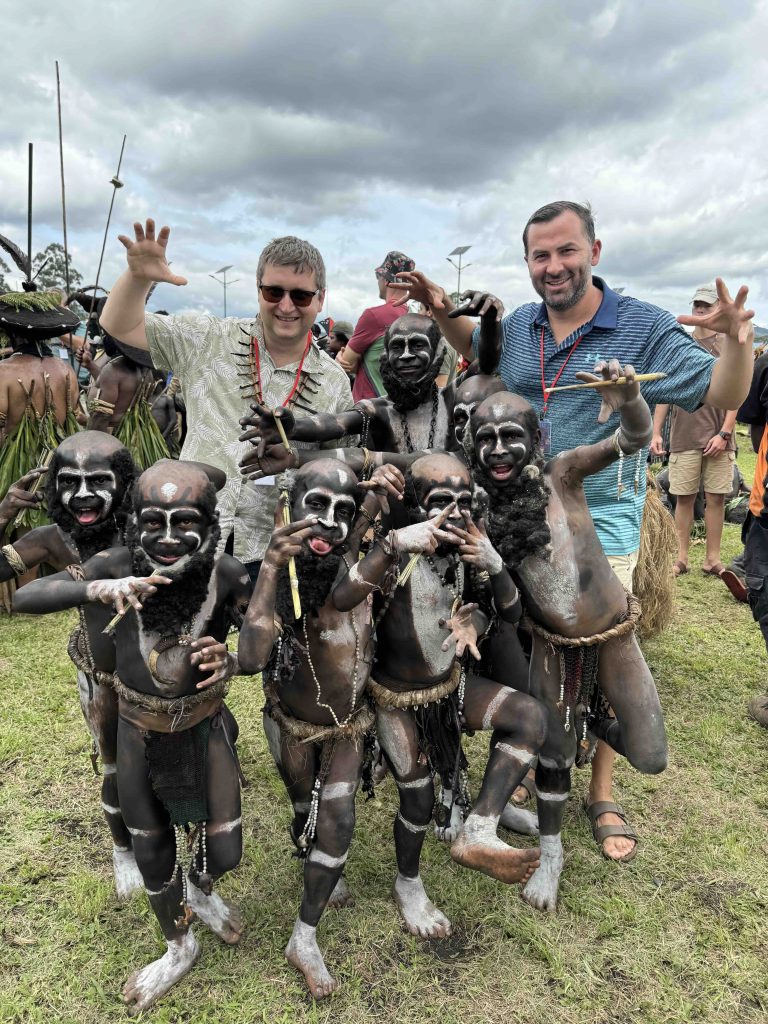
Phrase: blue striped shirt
[623,328]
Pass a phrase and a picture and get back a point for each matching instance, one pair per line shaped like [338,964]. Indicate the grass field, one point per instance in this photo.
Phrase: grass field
[680,934]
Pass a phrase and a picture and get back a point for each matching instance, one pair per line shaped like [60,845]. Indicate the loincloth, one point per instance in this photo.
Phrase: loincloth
[359,729]
[581,699]
[148,711]
[437,713]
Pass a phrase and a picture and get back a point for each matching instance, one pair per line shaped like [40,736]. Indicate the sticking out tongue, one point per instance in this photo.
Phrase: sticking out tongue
[86,516]
[319,546]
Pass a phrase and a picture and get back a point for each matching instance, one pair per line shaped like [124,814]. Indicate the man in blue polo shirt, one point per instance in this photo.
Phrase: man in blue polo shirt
[579,323]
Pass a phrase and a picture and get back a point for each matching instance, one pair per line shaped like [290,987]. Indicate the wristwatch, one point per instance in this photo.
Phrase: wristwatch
[726,435]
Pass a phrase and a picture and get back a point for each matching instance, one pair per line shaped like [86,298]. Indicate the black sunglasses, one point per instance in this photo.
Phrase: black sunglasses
[299,296]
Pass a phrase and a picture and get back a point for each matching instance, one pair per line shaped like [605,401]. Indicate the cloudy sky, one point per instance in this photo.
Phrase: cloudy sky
[416,125]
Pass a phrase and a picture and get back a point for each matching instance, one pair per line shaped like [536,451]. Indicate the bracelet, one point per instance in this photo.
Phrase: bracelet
[388,544]
[14,559]
[372,520]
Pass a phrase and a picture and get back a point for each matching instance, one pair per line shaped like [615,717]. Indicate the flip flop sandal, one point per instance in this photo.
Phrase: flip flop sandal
[714,570]
[735,584]
[602,832]
[679,568]
[529,785]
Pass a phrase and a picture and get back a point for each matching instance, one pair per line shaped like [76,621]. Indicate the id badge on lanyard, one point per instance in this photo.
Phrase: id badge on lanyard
[545,426]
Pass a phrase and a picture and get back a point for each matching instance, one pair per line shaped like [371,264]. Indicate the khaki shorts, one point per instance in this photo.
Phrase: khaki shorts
[688,469]
[624,567]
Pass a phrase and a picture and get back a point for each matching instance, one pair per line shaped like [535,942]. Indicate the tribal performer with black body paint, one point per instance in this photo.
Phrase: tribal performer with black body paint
[88,498]
[316,670]
[177,772]
[413,418]
[424,697]
[584,649]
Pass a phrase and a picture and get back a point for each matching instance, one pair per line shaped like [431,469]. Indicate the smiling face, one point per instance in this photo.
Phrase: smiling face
[284,322]
[410,344]
[503,437]
[326,489]
[469,395]
[560,260]
[87,486]
[174,513]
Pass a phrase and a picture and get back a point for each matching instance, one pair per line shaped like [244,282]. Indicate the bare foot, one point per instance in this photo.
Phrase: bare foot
[128,878]
[223,918]
[341,895]
[420,915]
[478,847]
[523,794]
[303,953]
[541,890]
[147,985]
[520,820]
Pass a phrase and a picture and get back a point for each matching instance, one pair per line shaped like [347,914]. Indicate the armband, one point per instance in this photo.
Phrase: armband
[14,559]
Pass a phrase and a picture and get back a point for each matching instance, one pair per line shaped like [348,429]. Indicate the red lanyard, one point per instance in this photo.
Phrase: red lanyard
[544,394]
[257,360]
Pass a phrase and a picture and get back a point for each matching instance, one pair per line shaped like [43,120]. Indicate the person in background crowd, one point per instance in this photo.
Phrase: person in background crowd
[702,449]
[338,338]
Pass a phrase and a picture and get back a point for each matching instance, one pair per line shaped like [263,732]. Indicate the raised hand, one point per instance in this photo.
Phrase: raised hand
[286,541]
[476,549]
[481,304]
[211,655]
[263,432]
[463,632]
[20,497]
[729,315]
[127,589]
[613,397]
[424,538]
[414,285]
[386,481]
[146,255]
[276,459]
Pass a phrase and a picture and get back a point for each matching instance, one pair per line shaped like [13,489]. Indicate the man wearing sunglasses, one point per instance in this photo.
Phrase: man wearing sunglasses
[224,365]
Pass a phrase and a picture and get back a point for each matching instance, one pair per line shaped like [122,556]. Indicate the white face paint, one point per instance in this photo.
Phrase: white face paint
[168,491]
[190,539]
[80,484]
[326,505]
[494,439]
[438,498]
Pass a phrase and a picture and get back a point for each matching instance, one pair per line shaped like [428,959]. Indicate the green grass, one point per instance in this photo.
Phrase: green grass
[681,934]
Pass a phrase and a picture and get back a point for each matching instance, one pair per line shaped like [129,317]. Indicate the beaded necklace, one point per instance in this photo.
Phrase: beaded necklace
[432,425]
[355,674]
[457,586]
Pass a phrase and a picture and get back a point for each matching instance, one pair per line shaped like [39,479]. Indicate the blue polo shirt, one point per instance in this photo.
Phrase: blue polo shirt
[623,328]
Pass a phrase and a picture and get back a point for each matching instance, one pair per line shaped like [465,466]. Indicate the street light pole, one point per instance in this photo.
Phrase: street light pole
[459,251]
[223,270]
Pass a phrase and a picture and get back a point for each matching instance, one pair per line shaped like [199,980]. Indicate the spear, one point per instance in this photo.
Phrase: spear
[29,216]
[61,163]
[292,574]
[639,378]
[116,184]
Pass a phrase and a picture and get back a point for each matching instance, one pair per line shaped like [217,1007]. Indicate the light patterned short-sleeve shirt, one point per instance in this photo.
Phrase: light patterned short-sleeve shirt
[210,358]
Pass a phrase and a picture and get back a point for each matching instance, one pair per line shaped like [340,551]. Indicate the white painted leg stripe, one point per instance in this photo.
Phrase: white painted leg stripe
[301,807]
[492,708]
[556,797]
[109,769]
[553,765]
[151,892]
[325,859]
[410,826]
[415,783]
[337,790]
[224,826]
[108,809]
[144,833]
[519,753]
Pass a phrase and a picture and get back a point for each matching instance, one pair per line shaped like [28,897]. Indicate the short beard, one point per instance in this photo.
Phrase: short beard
[407,395]
[515,514]
[174,606]
[568,301]
[316,574]
[90,540]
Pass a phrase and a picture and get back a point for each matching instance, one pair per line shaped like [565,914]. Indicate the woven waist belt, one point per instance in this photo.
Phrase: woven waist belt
[168,714]
[627,625]
[387,698]
[311,732]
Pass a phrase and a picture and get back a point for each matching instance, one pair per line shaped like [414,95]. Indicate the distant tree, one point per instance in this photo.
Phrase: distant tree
[53,274]
[4,285]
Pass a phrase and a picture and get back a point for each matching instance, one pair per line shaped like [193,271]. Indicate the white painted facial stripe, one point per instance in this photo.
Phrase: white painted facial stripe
[334,501]
[337,790]
[519,753]
[492,708]
[415,783]
[222,827]
[417,829]
[555,797]
[168,490]
[325,859]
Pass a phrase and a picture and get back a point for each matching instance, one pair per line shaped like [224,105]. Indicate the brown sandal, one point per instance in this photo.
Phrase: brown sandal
[602,832]
[679,568]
